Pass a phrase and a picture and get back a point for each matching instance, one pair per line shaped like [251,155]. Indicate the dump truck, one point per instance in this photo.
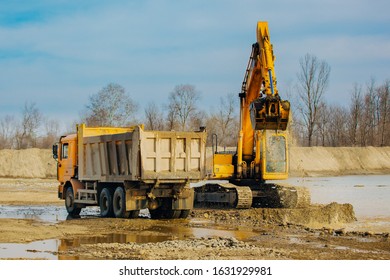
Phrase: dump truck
[125,169]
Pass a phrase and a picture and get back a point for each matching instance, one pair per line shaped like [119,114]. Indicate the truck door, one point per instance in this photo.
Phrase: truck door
[67,159]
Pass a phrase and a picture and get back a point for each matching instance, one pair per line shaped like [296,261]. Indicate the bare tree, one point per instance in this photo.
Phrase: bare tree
[355,113]
[171,122]
[226,120]
[198,120]
[111,106]
[384,113]
[154,117]
[337,126]
[27,130]
[323,123]
[367,127]
[7,132]
[313,80]
[52,133]
[183,104]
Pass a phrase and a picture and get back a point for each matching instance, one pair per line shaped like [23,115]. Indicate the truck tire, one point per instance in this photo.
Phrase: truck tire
[71,208]
[165,211]
[105,203]
[184,214]
[119,205]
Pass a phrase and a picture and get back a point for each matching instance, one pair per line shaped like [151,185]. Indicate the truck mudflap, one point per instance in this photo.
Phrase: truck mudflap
[136,200]
[184,200]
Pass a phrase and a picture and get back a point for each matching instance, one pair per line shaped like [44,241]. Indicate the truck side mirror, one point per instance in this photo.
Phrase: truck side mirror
[55,151]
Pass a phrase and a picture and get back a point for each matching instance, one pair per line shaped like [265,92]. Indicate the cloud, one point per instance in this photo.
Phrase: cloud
[59,54]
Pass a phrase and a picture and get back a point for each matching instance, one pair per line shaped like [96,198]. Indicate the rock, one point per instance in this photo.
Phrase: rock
[340,231]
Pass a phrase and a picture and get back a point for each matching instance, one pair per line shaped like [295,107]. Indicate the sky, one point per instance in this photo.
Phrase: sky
[58,53]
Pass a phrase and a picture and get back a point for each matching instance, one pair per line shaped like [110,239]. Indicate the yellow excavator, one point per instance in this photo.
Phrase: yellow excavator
[262,148]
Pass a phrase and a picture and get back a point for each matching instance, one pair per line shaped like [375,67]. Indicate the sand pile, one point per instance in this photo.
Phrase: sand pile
[315,216]
[29,163]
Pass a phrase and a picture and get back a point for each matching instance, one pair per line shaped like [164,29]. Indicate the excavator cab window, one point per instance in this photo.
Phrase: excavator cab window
[274,156]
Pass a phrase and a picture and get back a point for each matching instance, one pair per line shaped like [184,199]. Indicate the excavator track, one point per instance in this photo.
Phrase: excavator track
[243,195]
[223,195]
[228,195]
[281,196]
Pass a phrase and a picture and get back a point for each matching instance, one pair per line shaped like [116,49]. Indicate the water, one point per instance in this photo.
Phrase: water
[51,249]
[369,195]
[45,249]
[51,214]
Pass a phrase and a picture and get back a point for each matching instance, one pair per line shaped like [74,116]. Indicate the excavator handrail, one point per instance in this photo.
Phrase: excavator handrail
[255,49]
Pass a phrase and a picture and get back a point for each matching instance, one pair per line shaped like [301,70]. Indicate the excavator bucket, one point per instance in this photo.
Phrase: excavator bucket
[270,113]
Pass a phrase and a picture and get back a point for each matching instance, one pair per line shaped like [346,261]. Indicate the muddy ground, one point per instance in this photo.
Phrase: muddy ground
[317,232]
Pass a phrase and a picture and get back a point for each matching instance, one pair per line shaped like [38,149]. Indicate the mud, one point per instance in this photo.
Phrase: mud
[317,232]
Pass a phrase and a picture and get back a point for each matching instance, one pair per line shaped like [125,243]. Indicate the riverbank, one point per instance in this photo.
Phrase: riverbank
[332,161]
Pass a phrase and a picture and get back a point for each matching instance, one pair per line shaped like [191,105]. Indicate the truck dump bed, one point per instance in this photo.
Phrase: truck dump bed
[132,154]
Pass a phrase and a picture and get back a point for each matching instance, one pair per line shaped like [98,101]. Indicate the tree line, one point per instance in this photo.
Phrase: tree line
[113,106]
[23,132]
[365,121]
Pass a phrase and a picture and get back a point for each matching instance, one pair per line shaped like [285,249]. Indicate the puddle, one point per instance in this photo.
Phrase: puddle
[51,214]
[46,249]
[41,213]
[55,249]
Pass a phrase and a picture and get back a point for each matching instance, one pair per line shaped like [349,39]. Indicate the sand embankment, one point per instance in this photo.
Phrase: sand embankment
[325,161]
[29,163]
[304,161]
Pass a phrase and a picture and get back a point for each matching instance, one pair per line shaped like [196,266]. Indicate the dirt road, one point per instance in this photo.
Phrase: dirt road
[317,232]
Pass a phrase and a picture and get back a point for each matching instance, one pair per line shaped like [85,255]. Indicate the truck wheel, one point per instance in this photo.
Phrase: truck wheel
[172,214]
[105,203]
[119,205]
[69,203]
[156,213]
[161,213]
[133,214]
[184,214]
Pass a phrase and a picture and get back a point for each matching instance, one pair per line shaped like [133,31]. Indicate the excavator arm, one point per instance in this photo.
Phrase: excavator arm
[261,108]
